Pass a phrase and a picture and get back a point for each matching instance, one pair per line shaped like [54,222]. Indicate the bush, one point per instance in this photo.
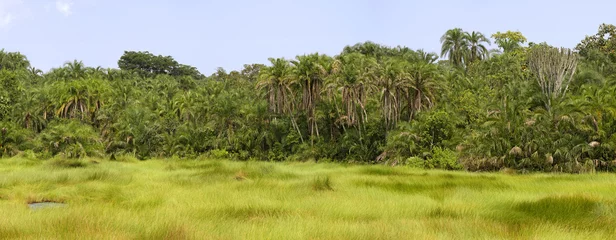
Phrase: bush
[445,159]
[433,129]
[322,184]
[13,138]
[416,162]
[123,158]
[72,139]
[62,162]
[439,159]
[219,153]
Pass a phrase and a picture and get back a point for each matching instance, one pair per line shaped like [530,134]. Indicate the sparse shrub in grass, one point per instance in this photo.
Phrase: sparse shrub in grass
[560,208]
[249,212]
[166,231]
[240,176]
[124,158]
[482,164]
[440,212]
[322,184]
[62,162]
[439,159]
[219,153]
[415,162]
[28,154]
[445,159]
[99,175]
[509,171]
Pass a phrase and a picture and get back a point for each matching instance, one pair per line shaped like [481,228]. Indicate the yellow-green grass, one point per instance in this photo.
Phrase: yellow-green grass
[216,199]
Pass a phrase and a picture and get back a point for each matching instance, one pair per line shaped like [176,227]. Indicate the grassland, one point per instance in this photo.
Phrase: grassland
[216,199]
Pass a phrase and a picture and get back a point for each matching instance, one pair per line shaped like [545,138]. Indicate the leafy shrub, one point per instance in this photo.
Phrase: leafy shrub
[444,159]
[123,158]
[439,159]
[416,162]
[219,153]
[434,129]
[71,138]
[13,138]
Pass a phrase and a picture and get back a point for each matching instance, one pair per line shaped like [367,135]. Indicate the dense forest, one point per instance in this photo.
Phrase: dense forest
[484,103]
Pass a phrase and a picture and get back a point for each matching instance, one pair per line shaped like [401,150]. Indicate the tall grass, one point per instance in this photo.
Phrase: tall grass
[218,199]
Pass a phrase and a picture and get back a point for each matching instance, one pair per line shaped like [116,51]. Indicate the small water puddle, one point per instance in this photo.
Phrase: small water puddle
[45,205]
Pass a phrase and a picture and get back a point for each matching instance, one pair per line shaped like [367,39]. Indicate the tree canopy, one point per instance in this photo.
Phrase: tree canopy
[480,108]
[147,64]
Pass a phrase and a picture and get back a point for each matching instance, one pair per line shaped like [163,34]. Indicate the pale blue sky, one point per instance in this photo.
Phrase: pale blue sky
[211,34]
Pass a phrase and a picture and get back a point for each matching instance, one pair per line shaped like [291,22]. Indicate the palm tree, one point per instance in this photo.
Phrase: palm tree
[455,45]
[310,72]
[275,80]
[478,50]
[79,99]
[351,75]
[427,57]
[423,83]
[75,70]
[29,111]
[391,81]
[13,61]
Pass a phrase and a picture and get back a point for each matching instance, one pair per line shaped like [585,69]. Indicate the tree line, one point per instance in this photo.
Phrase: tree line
[482,104]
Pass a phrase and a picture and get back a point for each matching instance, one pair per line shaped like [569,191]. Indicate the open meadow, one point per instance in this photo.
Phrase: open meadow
[220,199]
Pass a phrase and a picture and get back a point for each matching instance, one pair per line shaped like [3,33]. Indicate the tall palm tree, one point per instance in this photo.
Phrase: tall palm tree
[275,80]
[75,70]
[29,111]
[391,81]
[427,57]
[478,50]
[423,83]
[455,45]
[352,75]
[79,99]
[310,72]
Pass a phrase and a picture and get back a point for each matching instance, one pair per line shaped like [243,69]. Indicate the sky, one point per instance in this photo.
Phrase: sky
[230,33]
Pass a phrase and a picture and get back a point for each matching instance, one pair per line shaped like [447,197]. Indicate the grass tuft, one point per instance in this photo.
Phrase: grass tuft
[560,208]
[68,163]
[240,176]
[322,184]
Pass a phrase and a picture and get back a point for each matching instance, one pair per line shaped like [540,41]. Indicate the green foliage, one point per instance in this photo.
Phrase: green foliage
[509,41]
[147,64]
[61,162]
[431,130]
[219,153]
[322,184]
[13,139]
[13,61]
[437,159]
[482,109]
[604,41]
[443,159]
[70,138]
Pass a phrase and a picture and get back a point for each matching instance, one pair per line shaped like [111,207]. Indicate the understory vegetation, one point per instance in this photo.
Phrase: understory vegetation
[221,199]
[487,104]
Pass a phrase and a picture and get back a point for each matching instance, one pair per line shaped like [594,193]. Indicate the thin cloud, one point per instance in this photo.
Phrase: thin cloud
[64,7]
[9,11]
[6,20]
